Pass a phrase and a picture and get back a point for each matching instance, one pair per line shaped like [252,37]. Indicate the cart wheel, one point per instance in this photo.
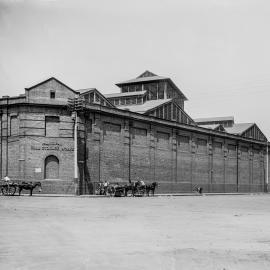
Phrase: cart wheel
[111,191]
[4,190]
[12,190]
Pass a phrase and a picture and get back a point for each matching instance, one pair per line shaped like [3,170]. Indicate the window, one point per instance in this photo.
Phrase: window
[52,126]
[52,94]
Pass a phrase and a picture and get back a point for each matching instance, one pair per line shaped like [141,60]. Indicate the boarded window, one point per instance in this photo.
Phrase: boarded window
[202,146]
[111,129]
[139,135]
[51,167]
[217,148]
[183,142]
[52,126]
[163,139]
[232,150]
[244,151]
[14,126]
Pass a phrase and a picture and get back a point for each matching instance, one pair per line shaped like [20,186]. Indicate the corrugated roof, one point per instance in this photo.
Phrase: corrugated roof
[148,105]
[213,119]
[127,94]
[238,129]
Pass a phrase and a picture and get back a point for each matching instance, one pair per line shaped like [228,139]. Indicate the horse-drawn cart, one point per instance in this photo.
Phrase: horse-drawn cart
[10,188]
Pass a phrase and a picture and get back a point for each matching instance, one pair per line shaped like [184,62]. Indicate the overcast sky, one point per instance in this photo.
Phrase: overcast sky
[216,51]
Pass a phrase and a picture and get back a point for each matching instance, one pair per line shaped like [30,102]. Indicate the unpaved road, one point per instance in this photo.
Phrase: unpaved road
[198,232]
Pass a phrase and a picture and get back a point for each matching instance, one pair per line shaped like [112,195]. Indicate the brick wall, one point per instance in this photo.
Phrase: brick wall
[178,160]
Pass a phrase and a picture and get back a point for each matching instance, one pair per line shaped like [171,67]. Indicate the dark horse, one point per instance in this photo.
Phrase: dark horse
[129,187]
[151,187]
[29,186]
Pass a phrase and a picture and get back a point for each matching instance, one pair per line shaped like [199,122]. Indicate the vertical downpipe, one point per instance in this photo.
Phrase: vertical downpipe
[76,155]
[267,167]
[237,167]
[7,140]
[1,114]
[129,153]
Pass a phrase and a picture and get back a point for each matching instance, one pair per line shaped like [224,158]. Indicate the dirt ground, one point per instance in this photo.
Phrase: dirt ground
[188,232]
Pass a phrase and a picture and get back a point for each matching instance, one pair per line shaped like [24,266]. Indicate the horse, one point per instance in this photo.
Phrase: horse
[129,187]
[29,186]
[151,187]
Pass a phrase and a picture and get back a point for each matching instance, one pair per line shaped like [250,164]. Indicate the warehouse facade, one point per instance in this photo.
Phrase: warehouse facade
[141,133]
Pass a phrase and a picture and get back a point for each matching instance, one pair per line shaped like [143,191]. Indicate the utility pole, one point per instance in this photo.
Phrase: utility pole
[75,105]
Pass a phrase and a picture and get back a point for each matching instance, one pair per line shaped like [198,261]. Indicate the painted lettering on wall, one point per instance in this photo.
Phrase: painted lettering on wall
[51,147]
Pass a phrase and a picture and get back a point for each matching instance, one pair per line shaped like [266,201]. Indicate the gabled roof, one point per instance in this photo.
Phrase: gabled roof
[126,94]
[51,78]
[87,91]
[148,105]
[214,119]
[214,127]
[148,76]
[147,73]
[239,129]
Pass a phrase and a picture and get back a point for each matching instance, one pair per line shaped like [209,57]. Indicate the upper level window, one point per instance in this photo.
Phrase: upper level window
[52,94]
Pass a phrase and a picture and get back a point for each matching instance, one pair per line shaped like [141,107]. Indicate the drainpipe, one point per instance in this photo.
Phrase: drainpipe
[237,167]
[7,97]
[1,114]
[76,154]
[267,167]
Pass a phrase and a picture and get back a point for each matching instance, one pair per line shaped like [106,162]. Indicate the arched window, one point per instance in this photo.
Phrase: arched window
[51,168]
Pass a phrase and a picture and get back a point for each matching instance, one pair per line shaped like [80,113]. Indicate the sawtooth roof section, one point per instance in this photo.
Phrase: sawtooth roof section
[51,78]
[214,119]
[143,78]
[239,129]
[148,105]
[126,94]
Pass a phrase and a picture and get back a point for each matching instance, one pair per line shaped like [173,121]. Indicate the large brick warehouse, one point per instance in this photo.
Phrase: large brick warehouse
[142,132]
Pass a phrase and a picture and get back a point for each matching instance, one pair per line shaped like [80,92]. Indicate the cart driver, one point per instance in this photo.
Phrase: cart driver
[106,184]
[7,180]
[142,183]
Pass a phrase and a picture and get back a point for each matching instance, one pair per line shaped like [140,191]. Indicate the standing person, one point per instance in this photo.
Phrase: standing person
[7,181]
[106,184]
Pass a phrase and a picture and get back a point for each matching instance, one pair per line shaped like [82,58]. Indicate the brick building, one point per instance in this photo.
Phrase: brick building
[142,132]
